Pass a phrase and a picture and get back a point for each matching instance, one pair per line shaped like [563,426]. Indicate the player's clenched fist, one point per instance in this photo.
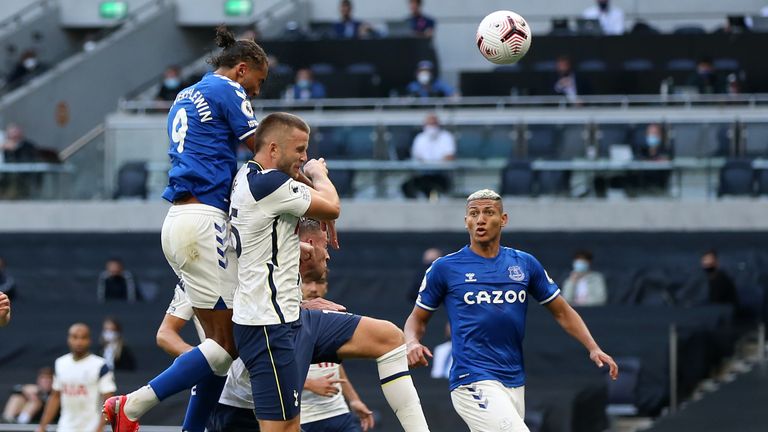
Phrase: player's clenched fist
[315,168]
[418,354]
[5,309]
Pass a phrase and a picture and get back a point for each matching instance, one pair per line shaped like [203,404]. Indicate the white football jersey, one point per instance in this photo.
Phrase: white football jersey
[237,389]
[82,384]
[265,209]
[180,307]
[315,407]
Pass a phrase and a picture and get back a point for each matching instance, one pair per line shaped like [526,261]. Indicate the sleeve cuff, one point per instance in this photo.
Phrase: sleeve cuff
[247,134]
[423,306]
[550,298]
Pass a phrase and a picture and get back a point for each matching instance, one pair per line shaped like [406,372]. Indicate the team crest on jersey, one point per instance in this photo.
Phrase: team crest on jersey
[516,274]
[470,277]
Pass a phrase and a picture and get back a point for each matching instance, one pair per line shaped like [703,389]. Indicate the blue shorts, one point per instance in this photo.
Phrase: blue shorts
[278,357]
[340,423]
[225,418]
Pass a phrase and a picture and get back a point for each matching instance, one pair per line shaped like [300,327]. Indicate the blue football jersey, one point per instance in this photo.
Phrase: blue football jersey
[486,300]
[206,124]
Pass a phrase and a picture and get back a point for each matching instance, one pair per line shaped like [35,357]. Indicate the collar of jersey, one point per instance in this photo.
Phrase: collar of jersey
[258,165]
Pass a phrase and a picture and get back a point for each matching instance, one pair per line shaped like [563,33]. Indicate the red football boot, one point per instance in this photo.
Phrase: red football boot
[114,414]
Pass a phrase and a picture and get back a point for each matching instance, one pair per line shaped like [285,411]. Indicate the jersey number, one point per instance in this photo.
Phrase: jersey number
[179,129]
[235,233]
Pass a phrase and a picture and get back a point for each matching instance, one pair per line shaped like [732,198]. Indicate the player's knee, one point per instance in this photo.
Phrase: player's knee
[390,336]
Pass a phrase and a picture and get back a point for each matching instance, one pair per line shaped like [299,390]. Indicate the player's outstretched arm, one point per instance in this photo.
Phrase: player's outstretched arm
[571,321]
[5,309]
[51,408]
[415,327]
[355,403]
[169,338]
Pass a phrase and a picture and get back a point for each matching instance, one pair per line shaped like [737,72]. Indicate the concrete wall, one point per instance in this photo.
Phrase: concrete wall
[401,216]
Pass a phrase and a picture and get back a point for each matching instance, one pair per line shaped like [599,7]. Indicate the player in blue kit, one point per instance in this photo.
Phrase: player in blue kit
[206,124]
[486,289]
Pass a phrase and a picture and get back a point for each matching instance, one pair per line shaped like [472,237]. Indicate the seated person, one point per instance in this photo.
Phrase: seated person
[170,85]
[421,25]
[705,79]
[654,148]
[611,17]
[427,84]
[584,286]
[432,145]
[348,27]
[306,87]
[26,403]
[116,283]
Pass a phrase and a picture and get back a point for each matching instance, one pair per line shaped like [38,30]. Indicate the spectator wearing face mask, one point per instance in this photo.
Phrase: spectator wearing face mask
[721,289]
[116,283]
[117,355]
[584,287]
[434,144]
[171,84]
[611,17]
[427,84]
[306,87]
[27,67]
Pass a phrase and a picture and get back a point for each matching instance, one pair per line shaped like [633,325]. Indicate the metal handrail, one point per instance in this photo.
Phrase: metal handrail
[19,16]
[501,102]
[81,142]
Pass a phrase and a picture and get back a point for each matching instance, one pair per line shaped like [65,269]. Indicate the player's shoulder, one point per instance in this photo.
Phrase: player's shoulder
[220,86]
[64,360]
[263,183]
[450,260]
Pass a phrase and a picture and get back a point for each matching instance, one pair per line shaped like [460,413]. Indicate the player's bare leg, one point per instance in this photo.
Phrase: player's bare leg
[292,425]
[385,342]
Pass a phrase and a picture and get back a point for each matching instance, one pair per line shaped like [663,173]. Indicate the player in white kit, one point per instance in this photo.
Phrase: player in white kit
[81,383]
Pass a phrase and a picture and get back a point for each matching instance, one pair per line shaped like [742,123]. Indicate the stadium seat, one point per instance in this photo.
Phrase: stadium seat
[399,140]
[517,179]
[359,142]
[690,29]
[621,392]
[361,69]
[610,134]
[762,182]
[695,139]
[470,141]
[343,180]
[681,64]
[592,65]
[553,182]
[322,69]
[726,64]
[132,180]
[573,142]
[541,142]
[737,178]
[637,65]
[755,139]
[544,66]
[330,143]
[501,142]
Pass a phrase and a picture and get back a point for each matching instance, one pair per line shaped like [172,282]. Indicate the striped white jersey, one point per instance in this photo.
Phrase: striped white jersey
[265,208]
[315,407]
[81,384]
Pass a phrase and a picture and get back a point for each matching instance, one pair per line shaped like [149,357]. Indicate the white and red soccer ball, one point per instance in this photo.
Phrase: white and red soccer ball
[503,37]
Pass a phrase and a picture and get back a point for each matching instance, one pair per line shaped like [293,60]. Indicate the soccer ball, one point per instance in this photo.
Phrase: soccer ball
[503,37]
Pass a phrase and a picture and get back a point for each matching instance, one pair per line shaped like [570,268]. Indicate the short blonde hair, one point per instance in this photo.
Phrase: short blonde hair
[483,194]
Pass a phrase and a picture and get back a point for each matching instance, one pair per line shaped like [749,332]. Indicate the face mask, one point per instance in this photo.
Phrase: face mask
[580,266]
[109,335]
[424,77]
[172,83]
[431,130]
[303,83]
[653,140]
[30,63]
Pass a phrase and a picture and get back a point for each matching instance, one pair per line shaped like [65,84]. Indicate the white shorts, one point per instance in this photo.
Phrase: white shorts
[196,244]
[488,406]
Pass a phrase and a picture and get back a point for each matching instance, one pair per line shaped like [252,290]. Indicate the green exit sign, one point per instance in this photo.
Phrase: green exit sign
[238,7]
[113,10]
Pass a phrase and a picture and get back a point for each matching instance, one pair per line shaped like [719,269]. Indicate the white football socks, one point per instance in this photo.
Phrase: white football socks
[139,402]
[399,391]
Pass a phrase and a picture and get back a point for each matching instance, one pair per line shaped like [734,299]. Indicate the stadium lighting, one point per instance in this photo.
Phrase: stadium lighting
[113,10]
[238,7]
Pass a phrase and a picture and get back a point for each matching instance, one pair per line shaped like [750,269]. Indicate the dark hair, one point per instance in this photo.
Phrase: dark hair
[45,370]
[236,51]
[346,3]
[113,320]
[274,120]
[583,253]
